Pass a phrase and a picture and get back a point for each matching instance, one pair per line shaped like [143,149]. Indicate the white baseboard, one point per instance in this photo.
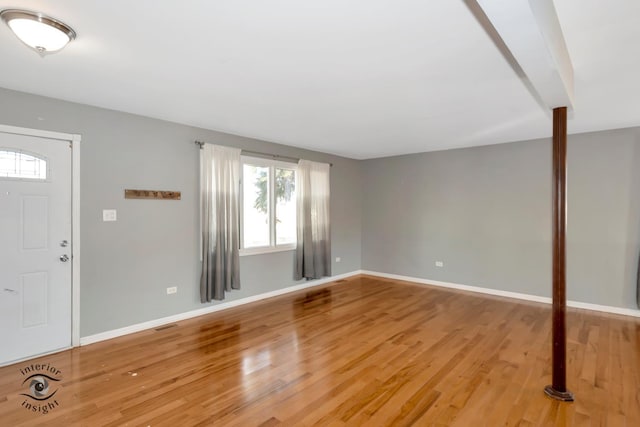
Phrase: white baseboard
[604,308]
[90,339]
[517,295]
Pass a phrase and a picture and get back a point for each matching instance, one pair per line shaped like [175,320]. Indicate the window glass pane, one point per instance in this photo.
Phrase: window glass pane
[14,164]
[285,206]
[255,191]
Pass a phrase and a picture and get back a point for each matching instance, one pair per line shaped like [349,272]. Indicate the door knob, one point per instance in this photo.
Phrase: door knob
[10,290]
[64,258]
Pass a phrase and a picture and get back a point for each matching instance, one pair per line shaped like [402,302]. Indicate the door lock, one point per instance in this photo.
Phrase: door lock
[64,243]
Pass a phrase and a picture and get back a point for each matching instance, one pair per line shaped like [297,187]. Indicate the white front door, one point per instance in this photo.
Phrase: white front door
[35,246]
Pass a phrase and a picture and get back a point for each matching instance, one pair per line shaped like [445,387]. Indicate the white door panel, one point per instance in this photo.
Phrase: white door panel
[35,217]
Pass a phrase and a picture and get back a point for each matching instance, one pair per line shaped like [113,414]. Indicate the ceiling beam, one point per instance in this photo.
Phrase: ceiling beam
[531,31]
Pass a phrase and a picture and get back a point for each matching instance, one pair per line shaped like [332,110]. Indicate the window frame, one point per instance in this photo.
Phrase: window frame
[34,155]
[272,165]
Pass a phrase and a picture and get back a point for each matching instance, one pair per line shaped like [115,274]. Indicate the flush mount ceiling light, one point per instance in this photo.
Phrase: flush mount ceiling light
[38,31]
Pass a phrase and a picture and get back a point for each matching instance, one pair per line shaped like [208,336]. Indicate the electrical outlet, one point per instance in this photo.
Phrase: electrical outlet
[172,290]
[439,264]
[338,259]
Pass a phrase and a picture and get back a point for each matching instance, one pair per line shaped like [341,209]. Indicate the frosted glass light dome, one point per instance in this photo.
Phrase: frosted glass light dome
[40,32]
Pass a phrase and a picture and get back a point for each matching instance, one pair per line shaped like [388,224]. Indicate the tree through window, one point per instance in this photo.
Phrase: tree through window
[269,204]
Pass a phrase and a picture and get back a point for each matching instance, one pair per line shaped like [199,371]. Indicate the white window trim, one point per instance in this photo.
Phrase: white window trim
[267,249]
[271,164]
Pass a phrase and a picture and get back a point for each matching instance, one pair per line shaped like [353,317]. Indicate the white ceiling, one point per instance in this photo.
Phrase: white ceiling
[358,78]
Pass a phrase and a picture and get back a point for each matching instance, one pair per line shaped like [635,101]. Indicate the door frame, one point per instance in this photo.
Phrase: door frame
[74,141]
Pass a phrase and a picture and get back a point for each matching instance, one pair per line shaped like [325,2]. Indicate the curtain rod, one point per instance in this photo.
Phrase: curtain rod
[258,153]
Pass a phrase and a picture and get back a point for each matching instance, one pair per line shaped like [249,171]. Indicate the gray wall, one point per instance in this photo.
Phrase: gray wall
[485,212]
[127,265]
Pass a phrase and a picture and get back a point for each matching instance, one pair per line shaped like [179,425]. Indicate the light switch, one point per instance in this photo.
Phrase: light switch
[109,215]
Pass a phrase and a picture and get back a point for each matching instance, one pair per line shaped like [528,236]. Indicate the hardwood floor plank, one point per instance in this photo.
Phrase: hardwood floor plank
[364,351]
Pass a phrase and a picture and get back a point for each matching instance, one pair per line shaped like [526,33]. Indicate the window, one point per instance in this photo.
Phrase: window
[19,165]
[268,206]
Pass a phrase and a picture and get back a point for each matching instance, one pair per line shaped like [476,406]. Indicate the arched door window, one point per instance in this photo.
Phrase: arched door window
[20,165]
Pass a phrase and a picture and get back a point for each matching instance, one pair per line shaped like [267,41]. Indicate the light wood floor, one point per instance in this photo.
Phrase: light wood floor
[363,351]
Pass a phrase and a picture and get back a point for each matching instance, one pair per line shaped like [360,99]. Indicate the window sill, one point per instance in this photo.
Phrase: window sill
[267,250]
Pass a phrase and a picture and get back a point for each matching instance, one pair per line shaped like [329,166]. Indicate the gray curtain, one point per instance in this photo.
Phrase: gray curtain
[313,249]
[219,192]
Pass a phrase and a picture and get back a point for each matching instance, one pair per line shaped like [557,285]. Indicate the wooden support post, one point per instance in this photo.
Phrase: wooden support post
[558,388]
